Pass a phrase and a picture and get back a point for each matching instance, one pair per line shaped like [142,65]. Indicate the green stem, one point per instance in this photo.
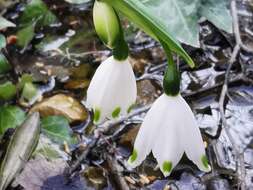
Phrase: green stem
[171,80]
[138,13]
[121,51]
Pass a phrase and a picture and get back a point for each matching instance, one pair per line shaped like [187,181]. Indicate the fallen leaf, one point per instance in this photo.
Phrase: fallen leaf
[96,176]
[25,36]
[64,105]
[10,117]
[77,84]
[42,174]
[12,39]
[128,138]
[7,91]
[2,41]
[19,150]
[4,64]
[57,128]
[5,23]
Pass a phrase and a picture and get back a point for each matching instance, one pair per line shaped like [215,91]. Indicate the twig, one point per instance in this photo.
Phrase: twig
[97,133]
[239,45]
[237,29]
[80,159]
[116,173]
[236,50]
[105,127]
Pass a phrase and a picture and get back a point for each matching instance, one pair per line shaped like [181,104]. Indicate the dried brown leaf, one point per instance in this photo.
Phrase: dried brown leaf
[64,105]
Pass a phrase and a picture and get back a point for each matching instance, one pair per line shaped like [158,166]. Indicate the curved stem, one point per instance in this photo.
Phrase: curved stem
[171,80]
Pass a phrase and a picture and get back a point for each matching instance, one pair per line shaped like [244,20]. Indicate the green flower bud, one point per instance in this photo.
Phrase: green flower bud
[106,23]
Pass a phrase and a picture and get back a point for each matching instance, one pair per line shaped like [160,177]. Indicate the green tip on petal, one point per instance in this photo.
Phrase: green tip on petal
[116,112]
[97,114]
[205,161]
[133,157]
[130,108]
[167,166]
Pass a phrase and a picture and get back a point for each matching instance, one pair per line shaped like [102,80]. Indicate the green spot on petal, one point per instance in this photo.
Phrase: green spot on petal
[133,157]
[205,161]
[96,115]
[130,108]
[167,166]
[116,112]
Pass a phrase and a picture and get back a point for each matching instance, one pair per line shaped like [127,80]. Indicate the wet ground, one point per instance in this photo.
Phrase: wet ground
[68,53]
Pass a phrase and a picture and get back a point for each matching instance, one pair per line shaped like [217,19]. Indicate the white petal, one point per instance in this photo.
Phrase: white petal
[148,133]
[193,143]
[159,133]
[99,82]
[167,148]
[124,90]
[112,87]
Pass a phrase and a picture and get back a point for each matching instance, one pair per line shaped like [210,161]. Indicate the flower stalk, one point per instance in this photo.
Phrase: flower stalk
[171,80]
[169,129]
[112,90]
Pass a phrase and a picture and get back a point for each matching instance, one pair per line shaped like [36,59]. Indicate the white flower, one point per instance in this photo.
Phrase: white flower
[112,90]
[168,130]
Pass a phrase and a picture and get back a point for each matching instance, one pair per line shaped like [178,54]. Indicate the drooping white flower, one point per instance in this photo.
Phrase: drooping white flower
[112,90]
[168,130]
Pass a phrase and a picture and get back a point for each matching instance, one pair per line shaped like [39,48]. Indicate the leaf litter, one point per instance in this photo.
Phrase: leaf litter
[200,87]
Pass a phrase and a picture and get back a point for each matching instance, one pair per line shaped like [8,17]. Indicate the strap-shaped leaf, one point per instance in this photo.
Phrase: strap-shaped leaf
[138,13]
[20,148]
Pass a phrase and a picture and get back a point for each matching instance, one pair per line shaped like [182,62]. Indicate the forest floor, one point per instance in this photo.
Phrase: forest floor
[60,60]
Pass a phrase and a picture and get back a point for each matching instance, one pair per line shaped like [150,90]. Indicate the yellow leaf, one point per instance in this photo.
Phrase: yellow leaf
[64,105]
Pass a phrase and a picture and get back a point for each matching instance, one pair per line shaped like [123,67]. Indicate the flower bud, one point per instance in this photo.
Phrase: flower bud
[106,23]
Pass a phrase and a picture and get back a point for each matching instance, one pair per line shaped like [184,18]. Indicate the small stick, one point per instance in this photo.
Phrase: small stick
[116,173]
[239,45]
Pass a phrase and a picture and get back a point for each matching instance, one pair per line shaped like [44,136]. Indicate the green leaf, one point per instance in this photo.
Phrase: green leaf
[145,18]
[10,117]
[4,64]
[37,12]
[57,128]
[5,23]
[175,19]
[217,12]
[25,78]
[25,36]
[77,1]
[49,18]
[47,151]
[2,41]
[180,17]
[7,91]
[30,91]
